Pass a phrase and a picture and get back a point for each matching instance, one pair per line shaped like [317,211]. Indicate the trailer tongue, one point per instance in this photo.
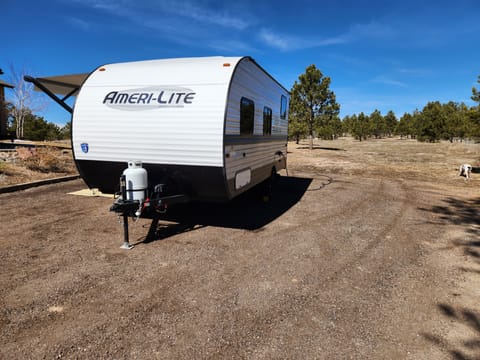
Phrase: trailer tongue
[134,200]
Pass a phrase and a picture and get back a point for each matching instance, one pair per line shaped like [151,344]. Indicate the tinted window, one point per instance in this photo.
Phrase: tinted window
[247,115]
[267,121]
[283,107]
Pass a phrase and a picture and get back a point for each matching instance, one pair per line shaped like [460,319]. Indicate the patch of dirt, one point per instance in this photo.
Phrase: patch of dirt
[366,251]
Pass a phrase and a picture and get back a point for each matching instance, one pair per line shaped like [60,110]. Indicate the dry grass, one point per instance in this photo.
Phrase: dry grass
[47,160]
[37,164]
[405,159]
[62,144]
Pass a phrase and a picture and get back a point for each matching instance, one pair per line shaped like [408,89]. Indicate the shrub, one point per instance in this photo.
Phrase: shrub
[45,160]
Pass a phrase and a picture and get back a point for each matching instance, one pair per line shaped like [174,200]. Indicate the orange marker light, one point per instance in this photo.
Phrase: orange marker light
[226,64]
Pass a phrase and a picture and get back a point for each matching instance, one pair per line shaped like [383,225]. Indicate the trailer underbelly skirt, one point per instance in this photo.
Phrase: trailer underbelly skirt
[178,179]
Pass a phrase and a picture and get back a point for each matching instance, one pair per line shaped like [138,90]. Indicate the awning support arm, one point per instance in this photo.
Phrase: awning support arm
[54,97]
[69,94]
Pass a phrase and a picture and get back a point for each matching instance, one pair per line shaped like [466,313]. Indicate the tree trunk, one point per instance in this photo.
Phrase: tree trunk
[19,130]
[310,128]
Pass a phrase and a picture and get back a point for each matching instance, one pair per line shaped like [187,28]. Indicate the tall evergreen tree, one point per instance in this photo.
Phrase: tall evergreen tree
[347,124]
[390,123]
[416,122]
[66,131]
[330,127]
[297,129]
[432,122]
[476,93]
[457,122]
[474,114]
[361,127]
[474,122]
[379,126]
[405,126]
[312,100]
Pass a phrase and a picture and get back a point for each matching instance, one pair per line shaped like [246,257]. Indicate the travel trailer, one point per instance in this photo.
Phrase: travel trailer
[189,129]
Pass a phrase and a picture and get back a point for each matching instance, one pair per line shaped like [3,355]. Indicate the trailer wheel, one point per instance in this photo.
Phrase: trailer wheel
[267,186]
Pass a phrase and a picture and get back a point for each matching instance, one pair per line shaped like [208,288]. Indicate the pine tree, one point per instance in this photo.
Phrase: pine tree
[378,123]
[312,100]
[432,122]
[390,123]
[405,126]
[361,127]
[476,93]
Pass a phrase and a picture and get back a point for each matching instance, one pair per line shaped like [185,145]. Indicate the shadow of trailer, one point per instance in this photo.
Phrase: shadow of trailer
[251,211]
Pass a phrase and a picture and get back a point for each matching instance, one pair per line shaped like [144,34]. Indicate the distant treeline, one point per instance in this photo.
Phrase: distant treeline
[450,121]
[314,112]
[35,127]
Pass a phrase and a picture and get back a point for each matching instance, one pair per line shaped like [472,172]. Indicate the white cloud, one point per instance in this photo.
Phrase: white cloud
[183,22]
[203,15]
[414,72]
[79,23]
[371,30]
[356,32]
[382,79]
[108,5]
[275,40]
[164,9]
[187,21]
[231,47]
[289,42]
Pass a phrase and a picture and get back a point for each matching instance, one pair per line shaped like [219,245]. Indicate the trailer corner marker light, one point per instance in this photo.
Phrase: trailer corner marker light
[101,69]
[226,64]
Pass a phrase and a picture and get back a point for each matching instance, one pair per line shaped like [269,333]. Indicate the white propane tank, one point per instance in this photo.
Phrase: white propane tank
[136,180]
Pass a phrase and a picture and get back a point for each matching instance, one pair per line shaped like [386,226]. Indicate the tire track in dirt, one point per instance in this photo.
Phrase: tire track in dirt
[84,287]
[231,314]
[276,314]
[309,283]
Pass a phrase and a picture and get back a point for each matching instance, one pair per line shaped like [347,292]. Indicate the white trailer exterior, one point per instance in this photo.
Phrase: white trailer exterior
[210,128]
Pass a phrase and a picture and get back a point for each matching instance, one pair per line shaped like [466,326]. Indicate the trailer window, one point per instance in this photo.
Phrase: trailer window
[247,115]
[283,107]
[267,121]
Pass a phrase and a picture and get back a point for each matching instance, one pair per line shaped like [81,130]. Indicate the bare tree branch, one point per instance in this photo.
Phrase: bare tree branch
[23,99]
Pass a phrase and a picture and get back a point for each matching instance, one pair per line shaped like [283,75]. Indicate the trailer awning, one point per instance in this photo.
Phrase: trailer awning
[62,84]
[66,85]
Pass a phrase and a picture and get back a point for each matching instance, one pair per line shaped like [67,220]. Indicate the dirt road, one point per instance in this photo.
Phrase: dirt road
[335,266]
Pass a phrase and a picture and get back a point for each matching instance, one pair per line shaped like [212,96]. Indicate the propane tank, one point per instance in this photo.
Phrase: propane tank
[136,180]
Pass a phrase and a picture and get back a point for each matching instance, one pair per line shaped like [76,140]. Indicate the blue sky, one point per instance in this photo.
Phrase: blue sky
[386,55]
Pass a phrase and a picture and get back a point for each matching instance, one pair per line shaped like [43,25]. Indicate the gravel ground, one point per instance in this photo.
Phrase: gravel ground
[337,265]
